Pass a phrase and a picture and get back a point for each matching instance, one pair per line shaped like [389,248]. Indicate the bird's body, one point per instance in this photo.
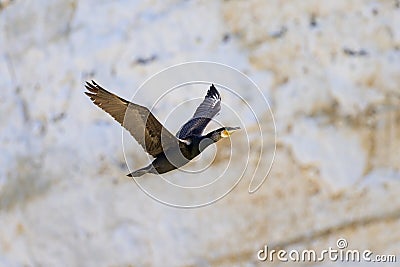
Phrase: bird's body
[170,152]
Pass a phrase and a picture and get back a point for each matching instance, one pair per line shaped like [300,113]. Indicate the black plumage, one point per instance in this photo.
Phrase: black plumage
[170,152]
[210,106]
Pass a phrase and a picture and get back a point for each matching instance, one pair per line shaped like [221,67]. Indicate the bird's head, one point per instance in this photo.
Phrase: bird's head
[221,133]
[227,131]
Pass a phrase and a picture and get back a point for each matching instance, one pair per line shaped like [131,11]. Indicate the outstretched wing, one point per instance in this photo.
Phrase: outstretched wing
[138,120]
[210,106]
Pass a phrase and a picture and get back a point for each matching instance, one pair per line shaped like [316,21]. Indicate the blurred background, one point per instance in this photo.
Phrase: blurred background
[329,69]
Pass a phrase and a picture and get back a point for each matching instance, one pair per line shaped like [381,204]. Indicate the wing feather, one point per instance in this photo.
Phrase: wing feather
[138,120]
[210,107]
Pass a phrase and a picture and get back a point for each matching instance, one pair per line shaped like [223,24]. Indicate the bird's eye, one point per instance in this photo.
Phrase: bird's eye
[224,133]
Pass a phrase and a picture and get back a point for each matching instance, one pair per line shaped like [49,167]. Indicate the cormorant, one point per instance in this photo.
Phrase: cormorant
[170,152]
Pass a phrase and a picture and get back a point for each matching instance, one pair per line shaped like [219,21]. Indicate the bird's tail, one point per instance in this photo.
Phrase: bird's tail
[141,171]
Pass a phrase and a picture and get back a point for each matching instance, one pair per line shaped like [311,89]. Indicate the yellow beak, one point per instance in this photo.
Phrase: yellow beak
[225,133]
[229,131]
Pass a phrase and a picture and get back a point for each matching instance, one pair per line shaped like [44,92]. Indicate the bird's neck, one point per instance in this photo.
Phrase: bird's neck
[202,142]
[213,136]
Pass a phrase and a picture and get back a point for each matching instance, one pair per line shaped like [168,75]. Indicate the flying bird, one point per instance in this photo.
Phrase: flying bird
[170,151]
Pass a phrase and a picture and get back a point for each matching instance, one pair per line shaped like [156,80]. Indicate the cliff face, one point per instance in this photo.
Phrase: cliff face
[329,69]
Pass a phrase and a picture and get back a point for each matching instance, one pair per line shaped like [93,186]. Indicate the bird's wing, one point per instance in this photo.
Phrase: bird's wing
[210,106]
[138,120]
